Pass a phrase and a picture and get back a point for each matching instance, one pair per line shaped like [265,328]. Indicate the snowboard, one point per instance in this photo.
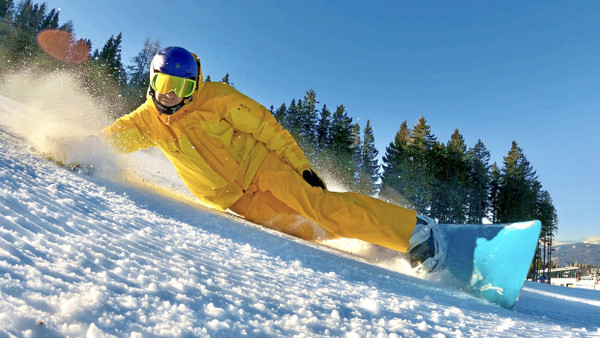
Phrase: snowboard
[488,261]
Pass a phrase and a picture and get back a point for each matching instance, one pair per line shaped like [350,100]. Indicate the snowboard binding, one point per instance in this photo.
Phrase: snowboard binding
[426,247]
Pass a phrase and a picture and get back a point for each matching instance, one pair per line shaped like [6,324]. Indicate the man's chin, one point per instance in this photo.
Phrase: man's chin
[169,104]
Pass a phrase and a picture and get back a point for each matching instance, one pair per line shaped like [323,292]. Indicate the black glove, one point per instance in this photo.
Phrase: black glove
[311,177]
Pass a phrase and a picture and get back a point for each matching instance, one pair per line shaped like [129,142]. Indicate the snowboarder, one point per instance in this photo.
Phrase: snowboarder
[232,154]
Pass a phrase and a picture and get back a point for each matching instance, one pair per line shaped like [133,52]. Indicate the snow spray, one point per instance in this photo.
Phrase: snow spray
[56,117]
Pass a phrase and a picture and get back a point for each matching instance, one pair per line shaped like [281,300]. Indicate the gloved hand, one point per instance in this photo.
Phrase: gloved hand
[92,156]
[311,177]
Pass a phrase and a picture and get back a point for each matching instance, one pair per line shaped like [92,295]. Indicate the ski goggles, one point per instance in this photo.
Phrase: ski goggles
[164,83]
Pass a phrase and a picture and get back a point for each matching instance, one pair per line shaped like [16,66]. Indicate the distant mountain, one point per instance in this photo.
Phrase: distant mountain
[583,253]
[592,240]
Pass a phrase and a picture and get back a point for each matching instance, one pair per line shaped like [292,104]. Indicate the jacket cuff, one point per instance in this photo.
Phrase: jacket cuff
[301,169]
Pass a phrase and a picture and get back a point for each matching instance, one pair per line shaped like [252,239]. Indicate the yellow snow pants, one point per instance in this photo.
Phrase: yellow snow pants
[279,198]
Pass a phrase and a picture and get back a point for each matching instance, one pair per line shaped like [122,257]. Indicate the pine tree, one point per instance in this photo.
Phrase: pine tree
[449,167]
[280,113]
[420,178]
[341,130]
[68,27]
[356,183]
[6,31]
[324,128]
[110,57]
[6,8]
[479,181]
[307,117]
[50,21]
[139,70]
[31,17]
[292,122]
[25,16]
[20,39]
[139,74]
[26,20]
[494,193]
[518,188]
[341,145]
[546,213]
[396,167]
[369,165]
[226,79]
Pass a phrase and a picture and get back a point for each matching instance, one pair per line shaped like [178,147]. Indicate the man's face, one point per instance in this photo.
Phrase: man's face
[168,100]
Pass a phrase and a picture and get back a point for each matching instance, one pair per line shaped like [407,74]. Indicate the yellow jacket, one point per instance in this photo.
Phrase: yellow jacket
[216,142]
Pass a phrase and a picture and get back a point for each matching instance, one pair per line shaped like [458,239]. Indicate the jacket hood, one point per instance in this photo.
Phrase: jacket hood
[201,83]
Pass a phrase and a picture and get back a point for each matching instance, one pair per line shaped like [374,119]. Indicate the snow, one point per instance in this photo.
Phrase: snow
[97,256]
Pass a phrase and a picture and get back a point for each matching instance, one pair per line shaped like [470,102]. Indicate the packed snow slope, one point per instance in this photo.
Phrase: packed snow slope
[92,256]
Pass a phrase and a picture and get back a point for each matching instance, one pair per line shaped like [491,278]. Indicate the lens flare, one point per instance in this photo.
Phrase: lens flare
[63,46]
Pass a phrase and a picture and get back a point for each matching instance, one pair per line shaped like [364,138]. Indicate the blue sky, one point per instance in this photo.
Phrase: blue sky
[498,71]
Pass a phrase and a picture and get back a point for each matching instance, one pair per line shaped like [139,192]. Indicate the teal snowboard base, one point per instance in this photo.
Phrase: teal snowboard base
[489,261]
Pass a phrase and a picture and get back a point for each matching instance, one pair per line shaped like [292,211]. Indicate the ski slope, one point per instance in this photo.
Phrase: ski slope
[91,256]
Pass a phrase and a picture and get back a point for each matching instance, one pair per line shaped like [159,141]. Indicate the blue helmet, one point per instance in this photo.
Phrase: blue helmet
[175,61]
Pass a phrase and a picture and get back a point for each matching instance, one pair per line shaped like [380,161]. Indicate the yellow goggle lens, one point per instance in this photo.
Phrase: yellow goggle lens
[164,83]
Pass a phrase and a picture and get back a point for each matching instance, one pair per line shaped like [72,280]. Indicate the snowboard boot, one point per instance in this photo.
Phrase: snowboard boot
[426,247]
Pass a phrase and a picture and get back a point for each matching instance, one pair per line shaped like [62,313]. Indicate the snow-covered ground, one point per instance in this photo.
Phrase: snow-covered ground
[89,256]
